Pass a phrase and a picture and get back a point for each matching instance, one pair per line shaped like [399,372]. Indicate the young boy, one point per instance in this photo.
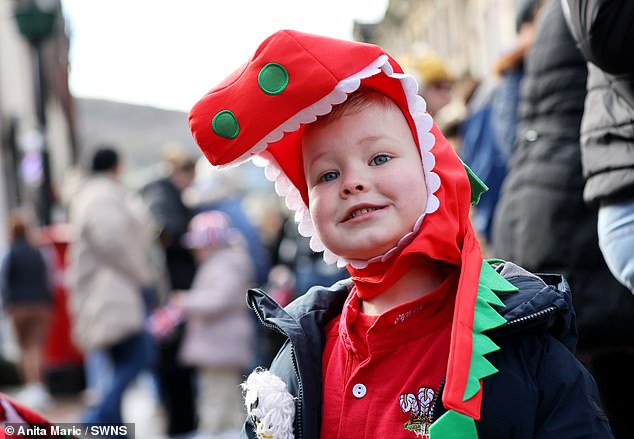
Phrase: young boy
[399,350]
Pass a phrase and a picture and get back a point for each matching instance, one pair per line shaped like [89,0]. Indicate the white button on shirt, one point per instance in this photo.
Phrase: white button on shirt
[359,390]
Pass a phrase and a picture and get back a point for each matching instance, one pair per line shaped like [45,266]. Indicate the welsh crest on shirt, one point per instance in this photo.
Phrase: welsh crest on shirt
[419,407]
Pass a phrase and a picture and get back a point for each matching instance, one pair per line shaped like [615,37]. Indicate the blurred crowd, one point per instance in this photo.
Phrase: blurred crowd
[157,274]
[156,279]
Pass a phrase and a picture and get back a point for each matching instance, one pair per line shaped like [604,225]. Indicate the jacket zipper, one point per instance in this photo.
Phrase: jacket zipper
[551,309]
[432,414]
[300,387]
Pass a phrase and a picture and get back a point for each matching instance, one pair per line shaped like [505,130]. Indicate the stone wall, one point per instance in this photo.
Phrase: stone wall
[469,34]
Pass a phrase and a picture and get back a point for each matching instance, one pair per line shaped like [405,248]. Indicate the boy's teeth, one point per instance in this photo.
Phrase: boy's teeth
[362,211]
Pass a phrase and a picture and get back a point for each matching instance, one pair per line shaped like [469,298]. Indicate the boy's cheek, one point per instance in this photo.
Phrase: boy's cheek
[317,201]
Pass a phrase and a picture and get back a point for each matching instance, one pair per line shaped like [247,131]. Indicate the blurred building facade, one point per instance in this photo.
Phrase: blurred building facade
[36,109]
[468,34]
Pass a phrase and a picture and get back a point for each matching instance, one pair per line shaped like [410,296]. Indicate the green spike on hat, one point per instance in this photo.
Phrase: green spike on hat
[454,424]
[478,187]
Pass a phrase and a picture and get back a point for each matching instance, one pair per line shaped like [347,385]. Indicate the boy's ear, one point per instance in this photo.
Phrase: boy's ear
[477,186]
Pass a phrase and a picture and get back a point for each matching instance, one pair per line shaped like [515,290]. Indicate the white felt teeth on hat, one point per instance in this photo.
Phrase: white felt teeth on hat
[331,258]
[285,188]
[306,228]
[316,244]
[294,201]
[434,182]
[426,121]
[429,161]
[350,84]
[270,172]
[409,85]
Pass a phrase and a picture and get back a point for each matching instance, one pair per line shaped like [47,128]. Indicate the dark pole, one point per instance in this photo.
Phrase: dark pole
[39,80]
[14,191]
[36,25]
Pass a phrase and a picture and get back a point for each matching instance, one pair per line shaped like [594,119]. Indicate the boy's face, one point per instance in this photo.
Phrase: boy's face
[366,186]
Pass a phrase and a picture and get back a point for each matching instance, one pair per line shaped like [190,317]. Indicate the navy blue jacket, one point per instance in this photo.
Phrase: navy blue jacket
[24,276]
[541,389]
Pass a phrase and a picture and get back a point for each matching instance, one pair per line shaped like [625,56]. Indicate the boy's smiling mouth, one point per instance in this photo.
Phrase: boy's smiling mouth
[360,211]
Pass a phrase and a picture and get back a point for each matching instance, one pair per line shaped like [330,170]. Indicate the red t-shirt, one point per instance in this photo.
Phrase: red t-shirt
[381,373]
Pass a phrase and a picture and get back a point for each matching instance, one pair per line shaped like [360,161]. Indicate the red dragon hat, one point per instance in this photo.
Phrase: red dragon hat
[260,111]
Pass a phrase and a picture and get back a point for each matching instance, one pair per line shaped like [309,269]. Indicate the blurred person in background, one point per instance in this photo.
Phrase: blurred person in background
[219,335]
[164,197]
[224,191]
[435,79]
[604,33]
[108,270]
[307,267]
[509,69]
[480,151]
[27,297]
[436,82]
[487,133]
[542,222]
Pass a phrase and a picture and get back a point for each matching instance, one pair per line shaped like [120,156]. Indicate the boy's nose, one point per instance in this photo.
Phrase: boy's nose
[353,186]
[351,190]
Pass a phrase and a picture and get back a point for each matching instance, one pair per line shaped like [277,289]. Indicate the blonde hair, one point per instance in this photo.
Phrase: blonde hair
[177,159]
[357,101]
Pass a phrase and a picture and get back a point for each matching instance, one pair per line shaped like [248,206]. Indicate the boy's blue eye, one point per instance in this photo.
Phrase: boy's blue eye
[329,176]
[380,159]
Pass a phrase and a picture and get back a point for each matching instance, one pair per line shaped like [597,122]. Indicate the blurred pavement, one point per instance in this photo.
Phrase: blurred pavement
[139,407]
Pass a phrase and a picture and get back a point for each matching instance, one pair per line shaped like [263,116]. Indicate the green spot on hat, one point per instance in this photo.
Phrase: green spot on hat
[225,124]
[273,78]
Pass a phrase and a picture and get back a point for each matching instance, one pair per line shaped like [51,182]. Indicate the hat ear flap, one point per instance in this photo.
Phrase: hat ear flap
[477,186]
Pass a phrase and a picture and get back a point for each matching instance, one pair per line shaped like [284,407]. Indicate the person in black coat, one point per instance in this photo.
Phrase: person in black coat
[164,198]
[604,33]
[542,221]
[27,297]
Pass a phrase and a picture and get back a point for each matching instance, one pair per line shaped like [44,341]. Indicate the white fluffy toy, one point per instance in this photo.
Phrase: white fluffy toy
[269,404]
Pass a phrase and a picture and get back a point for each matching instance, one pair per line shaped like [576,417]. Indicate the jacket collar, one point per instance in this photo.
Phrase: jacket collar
[540,302]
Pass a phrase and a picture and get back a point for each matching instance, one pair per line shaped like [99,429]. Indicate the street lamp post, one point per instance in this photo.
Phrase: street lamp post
[36,21]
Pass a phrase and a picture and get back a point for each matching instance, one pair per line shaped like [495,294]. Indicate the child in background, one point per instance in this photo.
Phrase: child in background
[219,333]
[427,339]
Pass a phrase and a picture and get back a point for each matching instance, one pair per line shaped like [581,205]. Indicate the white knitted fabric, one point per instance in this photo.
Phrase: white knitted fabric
[269,404]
